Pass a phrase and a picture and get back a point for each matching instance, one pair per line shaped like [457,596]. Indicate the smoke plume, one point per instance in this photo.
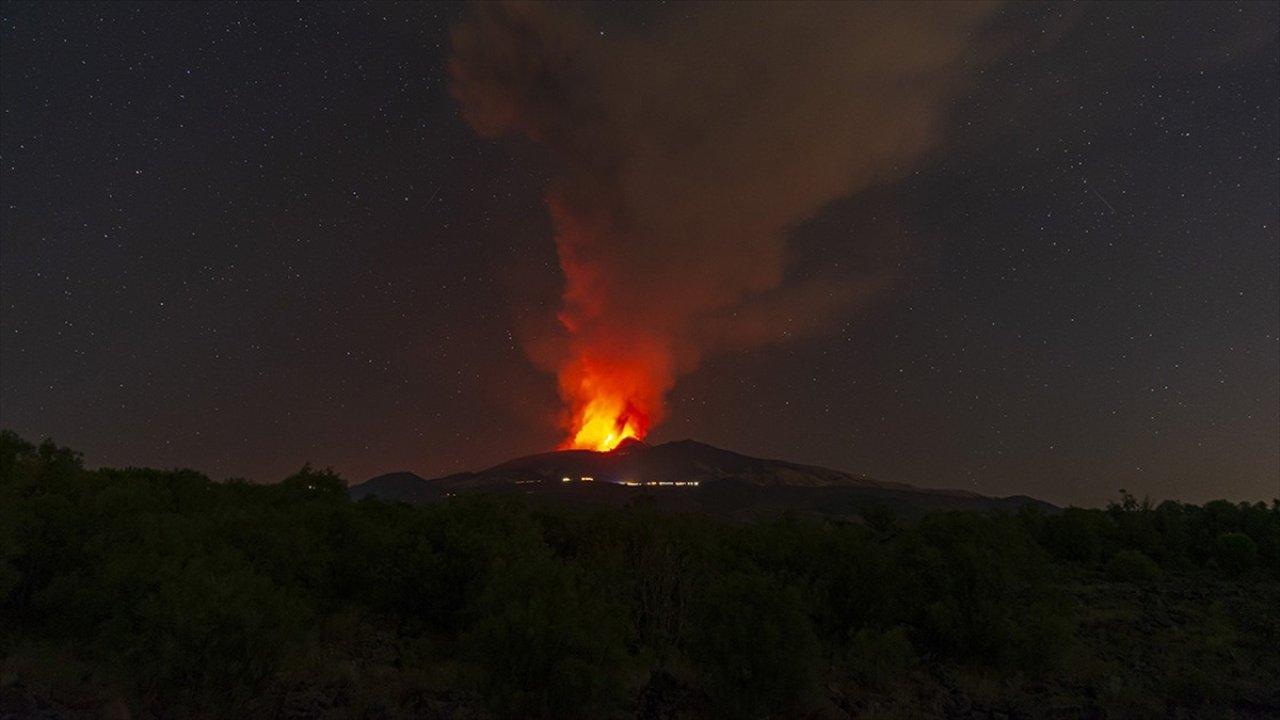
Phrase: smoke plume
[687,149]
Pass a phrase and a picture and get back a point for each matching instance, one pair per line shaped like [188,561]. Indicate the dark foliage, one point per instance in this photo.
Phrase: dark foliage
[173,596]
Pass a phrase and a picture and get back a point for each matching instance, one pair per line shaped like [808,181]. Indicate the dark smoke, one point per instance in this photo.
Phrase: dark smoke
[687,152]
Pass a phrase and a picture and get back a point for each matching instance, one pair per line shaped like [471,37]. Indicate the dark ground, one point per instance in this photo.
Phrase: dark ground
[159,594]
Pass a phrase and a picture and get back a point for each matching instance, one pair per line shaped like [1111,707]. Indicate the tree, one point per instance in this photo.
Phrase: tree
[1235,552]
[753,646]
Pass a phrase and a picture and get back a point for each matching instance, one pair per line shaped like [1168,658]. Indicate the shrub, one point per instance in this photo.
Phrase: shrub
[1077,534]
[546,645]
[753,646]
[1042,636]
[1132,566]
[1235,552]
[878,658]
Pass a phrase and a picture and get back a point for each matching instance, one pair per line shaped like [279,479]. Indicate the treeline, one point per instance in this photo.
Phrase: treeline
[175,596]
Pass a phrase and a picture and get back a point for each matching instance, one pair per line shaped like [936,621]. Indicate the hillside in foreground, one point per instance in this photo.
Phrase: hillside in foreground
[160,594]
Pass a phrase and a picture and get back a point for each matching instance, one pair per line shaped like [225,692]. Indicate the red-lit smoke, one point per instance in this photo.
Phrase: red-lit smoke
[686,153]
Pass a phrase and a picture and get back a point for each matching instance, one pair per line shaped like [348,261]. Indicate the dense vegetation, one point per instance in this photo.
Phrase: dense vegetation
[142,593]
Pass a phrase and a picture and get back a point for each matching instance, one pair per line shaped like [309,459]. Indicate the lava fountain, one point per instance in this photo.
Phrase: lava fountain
[604,422]
[612,395]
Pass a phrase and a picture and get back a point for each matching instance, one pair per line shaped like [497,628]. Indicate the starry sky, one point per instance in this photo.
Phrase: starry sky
[238,238]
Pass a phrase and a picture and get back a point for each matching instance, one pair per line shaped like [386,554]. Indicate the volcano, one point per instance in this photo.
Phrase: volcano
[687,476]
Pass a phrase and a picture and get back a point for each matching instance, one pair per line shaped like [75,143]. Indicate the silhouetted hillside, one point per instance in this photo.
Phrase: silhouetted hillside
[402,486]
[686,476]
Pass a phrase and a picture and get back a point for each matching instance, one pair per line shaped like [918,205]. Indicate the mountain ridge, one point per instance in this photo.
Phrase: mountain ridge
[683,475]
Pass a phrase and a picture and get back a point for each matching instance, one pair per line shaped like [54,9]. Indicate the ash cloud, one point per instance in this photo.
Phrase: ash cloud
[688,150]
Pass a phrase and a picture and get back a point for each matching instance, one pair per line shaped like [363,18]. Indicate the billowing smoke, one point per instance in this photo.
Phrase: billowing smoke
[686,152]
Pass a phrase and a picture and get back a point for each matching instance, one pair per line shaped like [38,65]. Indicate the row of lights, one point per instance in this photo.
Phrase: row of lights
[636,483]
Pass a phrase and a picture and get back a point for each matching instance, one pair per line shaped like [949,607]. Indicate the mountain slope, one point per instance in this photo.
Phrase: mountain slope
[683,460]
[402,486]
[685,475]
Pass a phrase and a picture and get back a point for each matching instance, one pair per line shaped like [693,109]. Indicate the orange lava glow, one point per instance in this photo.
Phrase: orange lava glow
[617,363]
[604,422]
[610,400]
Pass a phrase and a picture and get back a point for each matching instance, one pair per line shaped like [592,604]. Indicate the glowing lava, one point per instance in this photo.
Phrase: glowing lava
[603,423]
[612,395]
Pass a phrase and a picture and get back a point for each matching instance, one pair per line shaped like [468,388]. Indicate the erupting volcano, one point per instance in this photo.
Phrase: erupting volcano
[680,168]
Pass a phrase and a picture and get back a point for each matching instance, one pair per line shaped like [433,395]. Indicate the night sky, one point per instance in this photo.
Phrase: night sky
[238,238]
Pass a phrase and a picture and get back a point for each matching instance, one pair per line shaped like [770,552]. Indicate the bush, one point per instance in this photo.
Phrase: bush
[753,647]
[1077,534]
[1042,636]
[878,658]
[1132,566]
[547,646]
[1235,552]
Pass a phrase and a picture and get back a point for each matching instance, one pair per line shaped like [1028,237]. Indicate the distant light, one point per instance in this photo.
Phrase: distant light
[657,483]
[565,479]
[588,479]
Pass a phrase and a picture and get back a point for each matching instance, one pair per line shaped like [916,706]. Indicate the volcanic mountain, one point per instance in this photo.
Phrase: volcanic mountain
[684,476]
